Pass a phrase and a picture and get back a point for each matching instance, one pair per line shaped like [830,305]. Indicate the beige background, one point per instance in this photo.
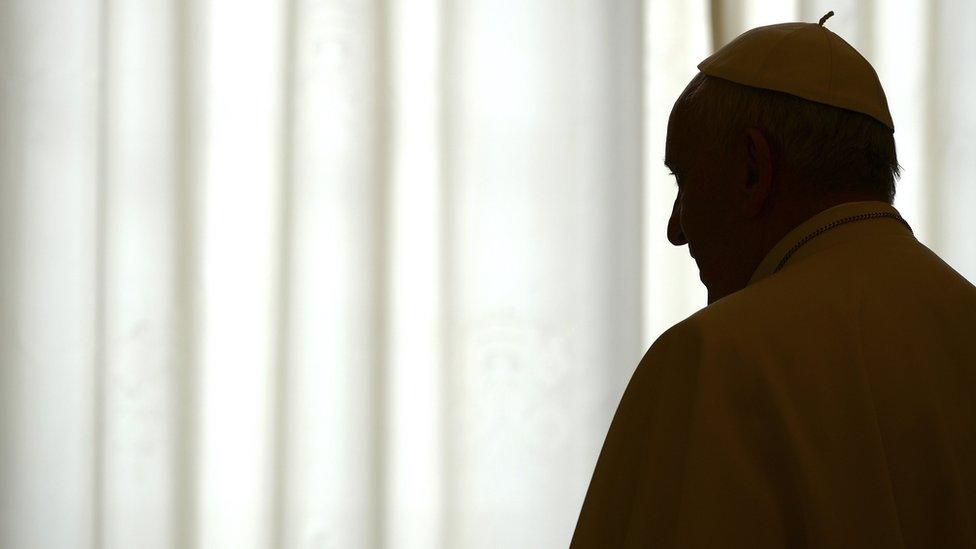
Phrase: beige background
[355,274]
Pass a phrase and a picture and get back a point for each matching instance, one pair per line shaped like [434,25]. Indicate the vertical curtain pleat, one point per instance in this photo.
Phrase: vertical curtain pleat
[190,106]
[238,255]
[49,113]
[332,490]
[415,471]
[285,262]
[138,387]
[543,173]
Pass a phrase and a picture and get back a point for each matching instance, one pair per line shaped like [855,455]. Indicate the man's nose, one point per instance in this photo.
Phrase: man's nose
[675,234]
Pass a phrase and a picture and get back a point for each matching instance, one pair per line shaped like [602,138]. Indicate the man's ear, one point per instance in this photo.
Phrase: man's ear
[759,172]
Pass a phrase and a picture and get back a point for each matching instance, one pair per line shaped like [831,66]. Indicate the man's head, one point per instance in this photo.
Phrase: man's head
[752,163]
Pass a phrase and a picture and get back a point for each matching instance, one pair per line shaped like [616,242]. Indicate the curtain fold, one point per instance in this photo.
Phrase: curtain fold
[325,273]
[49,54]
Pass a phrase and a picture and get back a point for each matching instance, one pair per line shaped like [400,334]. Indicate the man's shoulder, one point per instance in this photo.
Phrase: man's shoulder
[768,302]
[838,284]
[831,302]
[770,310]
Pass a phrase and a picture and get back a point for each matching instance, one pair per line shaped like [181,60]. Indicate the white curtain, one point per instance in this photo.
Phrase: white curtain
[354,274]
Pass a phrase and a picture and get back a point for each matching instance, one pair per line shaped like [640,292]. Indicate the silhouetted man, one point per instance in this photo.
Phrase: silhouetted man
[826,396]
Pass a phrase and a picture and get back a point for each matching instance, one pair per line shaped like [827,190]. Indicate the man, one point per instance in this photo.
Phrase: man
[826,396]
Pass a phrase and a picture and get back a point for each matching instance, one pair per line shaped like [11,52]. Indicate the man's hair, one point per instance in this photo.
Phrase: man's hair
[830,148]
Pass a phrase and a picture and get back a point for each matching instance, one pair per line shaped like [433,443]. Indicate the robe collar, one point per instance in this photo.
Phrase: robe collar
[844,232]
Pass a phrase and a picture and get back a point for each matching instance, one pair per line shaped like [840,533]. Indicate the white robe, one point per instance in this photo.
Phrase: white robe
[831,404]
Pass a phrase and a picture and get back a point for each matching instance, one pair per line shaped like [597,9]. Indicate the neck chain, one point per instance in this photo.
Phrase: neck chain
[833,224]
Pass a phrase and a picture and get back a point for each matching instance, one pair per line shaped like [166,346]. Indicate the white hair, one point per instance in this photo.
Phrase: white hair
[830,148]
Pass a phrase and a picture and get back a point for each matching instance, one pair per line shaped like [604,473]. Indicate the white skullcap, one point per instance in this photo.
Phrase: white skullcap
[806,60]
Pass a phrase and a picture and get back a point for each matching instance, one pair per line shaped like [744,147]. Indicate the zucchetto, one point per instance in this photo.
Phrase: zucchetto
[806,60]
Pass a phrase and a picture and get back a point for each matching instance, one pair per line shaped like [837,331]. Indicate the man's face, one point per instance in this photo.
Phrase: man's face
[704,215]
